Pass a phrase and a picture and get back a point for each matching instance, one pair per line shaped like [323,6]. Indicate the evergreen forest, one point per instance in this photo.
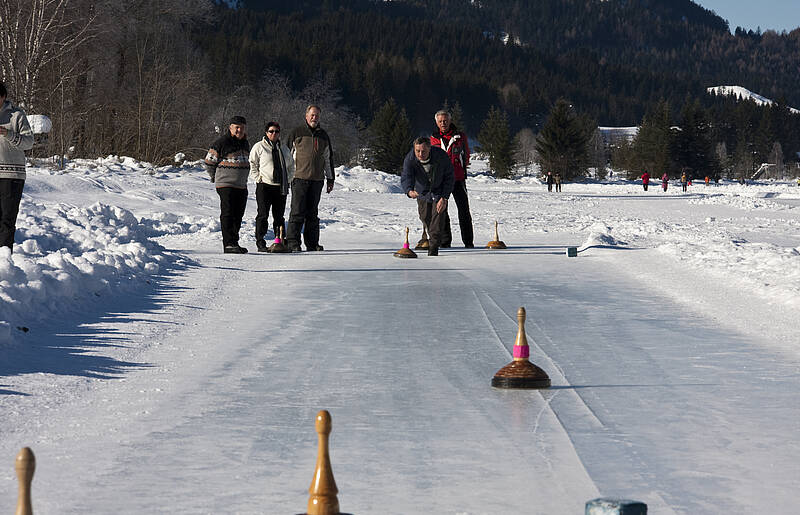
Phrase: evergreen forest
[148,79]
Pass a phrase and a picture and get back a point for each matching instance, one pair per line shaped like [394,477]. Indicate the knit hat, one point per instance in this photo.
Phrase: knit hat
[238,120]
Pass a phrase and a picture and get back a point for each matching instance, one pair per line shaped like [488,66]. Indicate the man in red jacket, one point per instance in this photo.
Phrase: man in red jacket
[448,138]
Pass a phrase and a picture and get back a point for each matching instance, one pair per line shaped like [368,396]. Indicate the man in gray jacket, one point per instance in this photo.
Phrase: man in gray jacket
[313,158]
[16,137]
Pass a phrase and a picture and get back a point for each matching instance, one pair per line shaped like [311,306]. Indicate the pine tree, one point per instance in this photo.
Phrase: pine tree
[694,149]
[562,142]
[457,117]
[390,138]
[653,144]
[495,140]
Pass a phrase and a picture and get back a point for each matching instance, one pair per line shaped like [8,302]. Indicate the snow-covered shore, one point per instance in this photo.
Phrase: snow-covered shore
[165,343]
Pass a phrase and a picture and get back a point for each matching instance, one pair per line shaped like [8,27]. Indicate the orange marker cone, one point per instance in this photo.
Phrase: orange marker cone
[521,373]
[496,243]
[406,251]
[25,467]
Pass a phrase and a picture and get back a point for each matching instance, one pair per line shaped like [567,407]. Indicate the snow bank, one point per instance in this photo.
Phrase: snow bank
[69,255]
[367,180]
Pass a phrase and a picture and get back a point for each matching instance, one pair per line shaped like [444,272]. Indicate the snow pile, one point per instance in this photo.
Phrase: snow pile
[40,124]
[67,255]
[367,180]
[600,236]
[768,270]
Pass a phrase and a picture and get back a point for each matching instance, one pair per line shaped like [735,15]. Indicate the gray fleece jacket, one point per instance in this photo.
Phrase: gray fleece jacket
[14,144]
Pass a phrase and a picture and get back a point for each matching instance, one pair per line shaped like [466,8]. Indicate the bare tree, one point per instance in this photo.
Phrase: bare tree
[525,149]
[776,158]
[35,35]
[596,154]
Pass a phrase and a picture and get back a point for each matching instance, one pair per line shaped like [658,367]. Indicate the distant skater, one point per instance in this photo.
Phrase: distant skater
[557,180]
[645,180]
[549,181]
[684,182]
[664,181]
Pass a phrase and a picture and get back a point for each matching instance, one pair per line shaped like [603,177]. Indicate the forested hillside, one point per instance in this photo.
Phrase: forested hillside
[612,59]
[150,79]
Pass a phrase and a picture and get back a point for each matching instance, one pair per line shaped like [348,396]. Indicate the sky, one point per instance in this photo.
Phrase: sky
[768,14]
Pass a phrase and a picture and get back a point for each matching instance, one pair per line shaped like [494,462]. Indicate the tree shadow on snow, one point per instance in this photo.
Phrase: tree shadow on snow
[76,341]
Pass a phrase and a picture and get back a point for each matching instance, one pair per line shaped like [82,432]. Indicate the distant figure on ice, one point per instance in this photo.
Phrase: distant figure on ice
[645,180]
[557,180]
[228,166]
[707,180]
[549,181]
[664,181]
[16,137]
[684,181]
[447,137]
[313,159]
[271,168]
[428,177]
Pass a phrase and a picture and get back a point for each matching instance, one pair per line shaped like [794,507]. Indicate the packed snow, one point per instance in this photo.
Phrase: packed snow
[149,372]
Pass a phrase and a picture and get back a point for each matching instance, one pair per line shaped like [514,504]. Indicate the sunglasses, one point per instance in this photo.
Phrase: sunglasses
[272,131]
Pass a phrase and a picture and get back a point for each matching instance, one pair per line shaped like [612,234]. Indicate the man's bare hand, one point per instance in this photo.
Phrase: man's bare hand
[413,194]
[441,205]
[329,187]
[3,131]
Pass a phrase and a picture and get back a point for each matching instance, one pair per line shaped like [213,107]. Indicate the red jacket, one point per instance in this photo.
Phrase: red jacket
[456,145]
[645,178]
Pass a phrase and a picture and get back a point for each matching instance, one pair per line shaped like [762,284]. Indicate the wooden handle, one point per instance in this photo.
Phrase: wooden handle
[323,500]
[25,467]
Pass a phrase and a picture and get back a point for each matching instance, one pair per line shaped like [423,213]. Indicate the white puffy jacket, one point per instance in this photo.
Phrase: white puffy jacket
[262,167]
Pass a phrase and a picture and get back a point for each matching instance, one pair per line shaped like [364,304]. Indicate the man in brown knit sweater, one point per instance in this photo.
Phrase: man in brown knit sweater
[228,166]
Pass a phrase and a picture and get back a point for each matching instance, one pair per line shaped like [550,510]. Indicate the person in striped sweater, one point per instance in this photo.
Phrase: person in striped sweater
[16,137]
[228,166]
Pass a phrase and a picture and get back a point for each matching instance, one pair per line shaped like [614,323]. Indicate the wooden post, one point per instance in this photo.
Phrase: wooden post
[25,467]
[323,500]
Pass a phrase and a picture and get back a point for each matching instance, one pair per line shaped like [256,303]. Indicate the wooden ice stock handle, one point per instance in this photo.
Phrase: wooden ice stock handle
[25,467]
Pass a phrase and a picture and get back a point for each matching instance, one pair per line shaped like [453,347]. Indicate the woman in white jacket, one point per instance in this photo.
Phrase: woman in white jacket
[272,169]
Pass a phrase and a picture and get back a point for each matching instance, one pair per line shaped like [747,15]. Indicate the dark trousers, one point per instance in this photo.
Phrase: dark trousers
[464,216]
[269,195]
[558,186]
[10,196]
[232,202]
[304,212]
[435,222]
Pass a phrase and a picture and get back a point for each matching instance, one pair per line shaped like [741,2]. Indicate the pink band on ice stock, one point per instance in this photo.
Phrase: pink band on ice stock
[522,351]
